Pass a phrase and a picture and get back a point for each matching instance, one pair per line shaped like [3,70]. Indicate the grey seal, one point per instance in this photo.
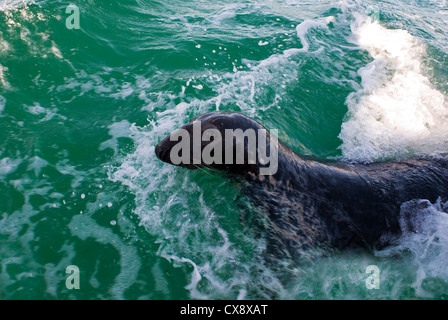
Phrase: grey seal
[313,203]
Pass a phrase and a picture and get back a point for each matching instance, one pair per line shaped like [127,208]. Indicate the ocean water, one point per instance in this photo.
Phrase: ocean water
[81,111]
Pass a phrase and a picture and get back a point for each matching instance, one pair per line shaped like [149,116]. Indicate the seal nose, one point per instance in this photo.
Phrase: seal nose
[162,152]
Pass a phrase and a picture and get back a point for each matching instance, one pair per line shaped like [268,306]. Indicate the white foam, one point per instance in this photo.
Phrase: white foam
[122,129]
[2,104]
[3,79]
[228,12]
[397,111]
[125,91]
[424,225]
[83,227]
[47,113]
[8,165]
[304,27]
[37,164]
[55,50]
[7,5]
[247,88]
[55,273]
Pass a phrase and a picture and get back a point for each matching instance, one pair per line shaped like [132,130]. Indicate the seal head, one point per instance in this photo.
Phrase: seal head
[226,141]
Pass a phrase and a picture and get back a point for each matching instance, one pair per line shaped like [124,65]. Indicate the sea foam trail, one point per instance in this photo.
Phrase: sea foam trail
[397,112]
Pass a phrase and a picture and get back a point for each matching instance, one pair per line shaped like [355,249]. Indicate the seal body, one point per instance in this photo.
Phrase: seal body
[317,204]
[312,203]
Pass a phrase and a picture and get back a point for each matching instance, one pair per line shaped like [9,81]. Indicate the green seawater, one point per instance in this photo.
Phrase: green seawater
[81,111]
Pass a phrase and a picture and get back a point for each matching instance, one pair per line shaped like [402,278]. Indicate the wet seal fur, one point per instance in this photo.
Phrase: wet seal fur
[313,204]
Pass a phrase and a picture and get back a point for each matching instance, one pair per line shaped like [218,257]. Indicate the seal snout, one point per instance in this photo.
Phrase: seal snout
[163,150]
[186,134]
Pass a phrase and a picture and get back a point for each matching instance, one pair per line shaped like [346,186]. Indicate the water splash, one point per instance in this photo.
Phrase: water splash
[397,112]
